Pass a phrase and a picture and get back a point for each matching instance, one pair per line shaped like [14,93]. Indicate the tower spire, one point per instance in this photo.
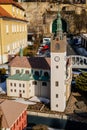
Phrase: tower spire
[59,24]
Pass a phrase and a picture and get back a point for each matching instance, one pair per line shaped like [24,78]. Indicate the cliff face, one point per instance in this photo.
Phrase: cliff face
[37,14]
[34,12]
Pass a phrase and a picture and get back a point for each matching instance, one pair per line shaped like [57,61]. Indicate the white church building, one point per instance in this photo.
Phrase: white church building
[43,77]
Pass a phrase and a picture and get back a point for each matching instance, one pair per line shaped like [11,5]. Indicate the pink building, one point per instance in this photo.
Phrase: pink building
[13,114]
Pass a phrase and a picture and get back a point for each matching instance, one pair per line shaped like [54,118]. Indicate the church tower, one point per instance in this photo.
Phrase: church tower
[58,69]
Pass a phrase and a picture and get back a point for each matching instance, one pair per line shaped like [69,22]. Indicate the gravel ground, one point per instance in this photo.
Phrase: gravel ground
[71,107]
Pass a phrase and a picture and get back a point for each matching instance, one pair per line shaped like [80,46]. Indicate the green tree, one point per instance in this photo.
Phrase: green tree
[3,71]
[81,81]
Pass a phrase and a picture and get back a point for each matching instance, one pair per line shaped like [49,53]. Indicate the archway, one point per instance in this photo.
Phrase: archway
[64,26]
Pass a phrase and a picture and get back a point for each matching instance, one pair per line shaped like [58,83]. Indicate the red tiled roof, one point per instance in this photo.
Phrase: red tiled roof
[11,110]
[11,2]
[31,62]
[4,13]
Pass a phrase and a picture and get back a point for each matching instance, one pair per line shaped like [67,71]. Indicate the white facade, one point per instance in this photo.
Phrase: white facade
[27,88]
[58,82]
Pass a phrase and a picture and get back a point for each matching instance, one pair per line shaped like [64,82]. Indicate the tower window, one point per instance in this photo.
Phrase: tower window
[57,46]
[57,66]
[56,105]
[56,83]
[56,95]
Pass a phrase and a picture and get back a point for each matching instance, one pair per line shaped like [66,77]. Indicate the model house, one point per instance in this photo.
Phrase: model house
[13,29]
[13,115]
[30,76]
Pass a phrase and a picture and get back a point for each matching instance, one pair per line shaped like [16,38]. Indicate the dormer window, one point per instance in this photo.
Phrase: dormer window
[27,72]
[17,71]
[36,73]
[46,74]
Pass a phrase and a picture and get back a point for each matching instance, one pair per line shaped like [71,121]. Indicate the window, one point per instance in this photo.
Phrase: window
[20,118]
[23,91]
[56,95]
[57,66]
[19,85]
[46,74]
[17,11]
[57,46]
[23,85]
[22,115]
[44,84]
[51,6]
[11,90]
[20,91]
[14,84]
[56,105]
[7,30]
[17,71]
[10,84]
[14,126]
[36,73]
[56,83]
[27,72]
[17,122]
[34,82]
[15,90]
[13,9]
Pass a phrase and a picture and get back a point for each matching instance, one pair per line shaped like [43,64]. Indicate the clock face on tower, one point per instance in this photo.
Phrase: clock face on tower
[56,58]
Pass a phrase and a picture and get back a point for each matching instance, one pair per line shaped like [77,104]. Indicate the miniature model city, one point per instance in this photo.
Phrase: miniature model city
[42,77]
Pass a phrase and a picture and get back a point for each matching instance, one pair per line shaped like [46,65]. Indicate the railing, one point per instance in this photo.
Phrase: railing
[78,61]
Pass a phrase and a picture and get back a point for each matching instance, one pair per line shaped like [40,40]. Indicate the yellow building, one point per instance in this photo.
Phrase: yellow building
[13,29]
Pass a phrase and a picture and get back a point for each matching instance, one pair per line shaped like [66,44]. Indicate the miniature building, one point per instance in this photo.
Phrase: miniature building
[13,115]
[29,77]
[13,29]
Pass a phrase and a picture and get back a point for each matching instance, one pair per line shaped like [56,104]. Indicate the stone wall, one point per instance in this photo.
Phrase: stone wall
[35,12]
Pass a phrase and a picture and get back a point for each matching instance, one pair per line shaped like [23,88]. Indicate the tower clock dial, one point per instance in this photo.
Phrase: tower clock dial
[56,58]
